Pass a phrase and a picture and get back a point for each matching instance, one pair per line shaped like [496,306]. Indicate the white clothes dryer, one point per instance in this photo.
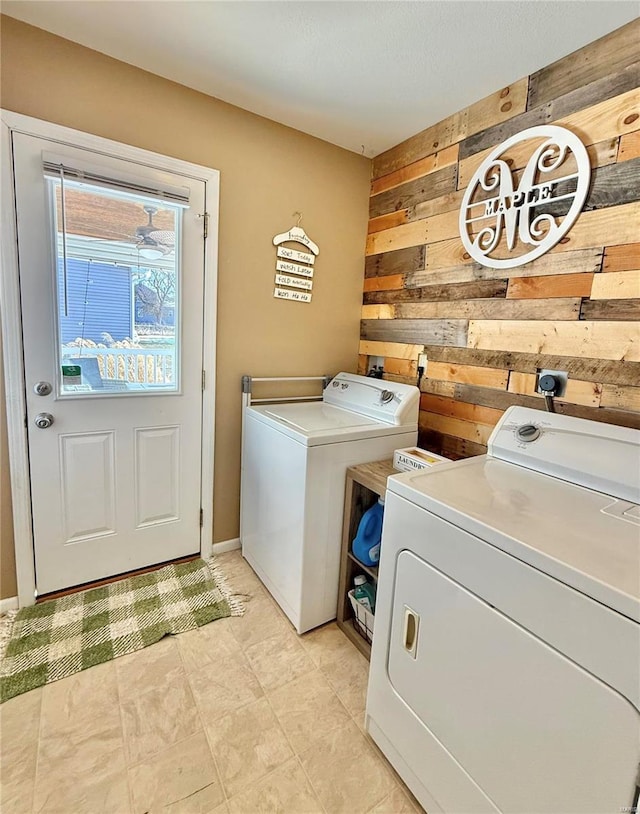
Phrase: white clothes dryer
[294,460]
[505,670]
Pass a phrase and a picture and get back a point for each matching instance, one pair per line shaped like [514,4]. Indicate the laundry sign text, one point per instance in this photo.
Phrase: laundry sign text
[502,224]
[286,294]
[294,282]
[293,268]
[292,254]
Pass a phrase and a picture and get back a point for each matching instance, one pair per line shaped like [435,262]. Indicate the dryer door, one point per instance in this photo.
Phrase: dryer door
[534,731]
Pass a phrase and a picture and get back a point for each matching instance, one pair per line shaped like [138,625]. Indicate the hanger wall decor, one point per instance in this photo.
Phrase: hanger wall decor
[294,262]
[298,235]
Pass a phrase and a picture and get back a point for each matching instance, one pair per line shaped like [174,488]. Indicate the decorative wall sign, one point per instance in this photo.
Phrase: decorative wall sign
[286,294]
[292,254]
[294,282]
[293,268]
[503,227]
[290,268]
[296,235]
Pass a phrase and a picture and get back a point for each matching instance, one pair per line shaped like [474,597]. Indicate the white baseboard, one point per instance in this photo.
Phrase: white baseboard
[10,603]
[226,545]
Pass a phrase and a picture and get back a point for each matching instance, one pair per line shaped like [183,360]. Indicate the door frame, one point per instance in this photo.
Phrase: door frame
[11,318]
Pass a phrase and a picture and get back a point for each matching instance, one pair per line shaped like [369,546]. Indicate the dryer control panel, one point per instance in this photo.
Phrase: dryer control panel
[389,402]
[604,457]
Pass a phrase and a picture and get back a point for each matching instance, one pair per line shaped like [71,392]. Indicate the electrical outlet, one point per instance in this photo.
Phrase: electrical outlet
[375,366]
[422,361]
[561,376]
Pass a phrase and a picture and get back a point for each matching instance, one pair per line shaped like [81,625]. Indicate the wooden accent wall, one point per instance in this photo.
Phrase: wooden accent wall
[487,332]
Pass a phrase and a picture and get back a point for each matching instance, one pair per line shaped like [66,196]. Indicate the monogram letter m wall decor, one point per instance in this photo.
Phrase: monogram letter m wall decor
[503,225]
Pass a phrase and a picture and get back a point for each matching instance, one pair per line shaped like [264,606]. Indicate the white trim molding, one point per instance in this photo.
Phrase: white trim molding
[8,604]
[12,328]
[227,545]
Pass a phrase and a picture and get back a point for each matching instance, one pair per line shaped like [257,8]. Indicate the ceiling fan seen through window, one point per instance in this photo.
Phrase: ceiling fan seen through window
[154,243]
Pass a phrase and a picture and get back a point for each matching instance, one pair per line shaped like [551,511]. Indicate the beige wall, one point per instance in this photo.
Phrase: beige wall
[267,172]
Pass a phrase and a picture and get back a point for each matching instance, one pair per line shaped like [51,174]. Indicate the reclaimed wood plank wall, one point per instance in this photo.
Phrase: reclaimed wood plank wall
[487,332]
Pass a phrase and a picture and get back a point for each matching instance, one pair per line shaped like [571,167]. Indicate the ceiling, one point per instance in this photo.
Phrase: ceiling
[363,75]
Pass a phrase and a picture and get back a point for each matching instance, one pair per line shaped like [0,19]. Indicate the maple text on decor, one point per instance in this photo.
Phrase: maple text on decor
[503,225]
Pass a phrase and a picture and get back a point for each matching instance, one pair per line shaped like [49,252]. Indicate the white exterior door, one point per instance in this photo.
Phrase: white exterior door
[111,258]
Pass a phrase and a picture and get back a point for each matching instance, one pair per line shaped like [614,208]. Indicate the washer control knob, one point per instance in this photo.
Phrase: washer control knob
[527,433]
[386,396]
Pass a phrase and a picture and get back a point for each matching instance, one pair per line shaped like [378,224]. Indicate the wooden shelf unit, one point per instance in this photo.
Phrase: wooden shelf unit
[365,483]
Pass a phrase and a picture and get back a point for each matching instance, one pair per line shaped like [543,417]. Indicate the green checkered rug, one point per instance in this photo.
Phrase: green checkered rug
[63,636]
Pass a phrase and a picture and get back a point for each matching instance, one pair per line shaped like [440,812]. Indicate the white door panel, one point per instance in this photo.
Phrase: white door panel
[157,453]
[115,481]
[87,458]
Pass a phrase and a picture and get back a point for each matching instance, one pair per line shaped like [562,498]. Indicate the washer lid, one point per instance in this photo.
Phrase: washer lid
[318,417]
[317,423]
[565,530]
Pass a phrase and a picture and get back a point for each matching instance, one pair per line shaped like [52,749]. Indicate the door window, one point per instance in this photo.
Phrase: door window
[118,290]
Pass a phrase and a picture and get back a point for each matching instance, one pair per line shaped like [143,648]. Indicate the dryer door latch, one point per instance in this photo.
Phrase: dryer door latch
[410,631]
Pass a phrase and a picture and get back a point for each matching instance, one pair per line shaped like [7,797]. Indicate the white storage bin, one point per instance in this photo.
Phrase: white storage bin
[412,458]
[363,618]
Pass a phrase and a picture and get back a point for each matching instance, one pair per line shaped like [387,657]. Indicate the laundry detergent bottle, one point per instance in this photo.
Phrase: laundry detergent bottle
[366,544]
[365,592]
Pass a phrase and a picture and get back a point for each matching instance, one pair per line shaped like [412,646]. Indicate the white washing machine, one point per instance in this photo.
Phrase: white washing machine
[505,670]
[294,461]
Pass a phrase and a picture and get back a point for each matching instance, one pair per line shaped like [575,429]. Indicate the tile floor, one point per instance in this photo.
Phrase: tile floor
[241,716]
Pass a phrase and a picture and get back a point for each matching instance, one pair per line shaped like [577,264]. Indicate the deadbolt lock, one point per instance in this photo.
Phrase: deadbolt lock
[42,388]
